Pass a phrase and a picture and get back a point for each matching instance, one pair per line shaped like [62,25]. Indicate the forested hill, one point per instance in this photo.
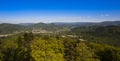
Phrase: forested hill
[45,26]
[10,28]
[100,34]
[6,28]
[106,23]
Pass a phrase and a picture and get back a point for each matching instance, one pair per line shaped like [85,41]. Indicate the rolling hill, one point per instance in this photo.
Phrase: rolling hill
[100,34]
[10,28]
[56,26]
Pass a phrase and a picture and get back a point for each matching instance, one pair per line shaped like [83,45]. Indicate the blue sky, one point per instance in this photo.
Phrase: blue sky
[20,11]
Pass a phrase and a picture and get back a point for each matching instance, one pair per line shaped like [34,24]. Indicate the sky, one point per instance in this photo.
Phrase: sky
[34,11]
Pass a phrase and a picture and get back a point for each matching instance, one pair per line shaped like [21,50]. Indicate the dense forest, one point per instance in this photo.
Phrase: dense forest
[46,47]
[100,34]
[74,43]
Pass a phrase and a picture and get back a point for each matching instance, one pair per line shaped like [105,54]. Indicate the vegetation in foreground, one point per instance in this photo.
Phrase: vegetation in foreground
[45,47]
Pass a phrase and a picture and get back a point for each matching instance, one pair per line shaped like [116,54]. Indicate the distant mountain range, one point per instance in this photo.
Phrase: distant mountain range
[77,24]
[56,26]
[26,24]
[106,23]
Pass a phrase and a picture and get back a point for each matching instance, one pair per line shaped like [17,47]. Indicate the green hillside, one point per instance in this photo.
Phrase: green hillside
[6,28]
[100,34]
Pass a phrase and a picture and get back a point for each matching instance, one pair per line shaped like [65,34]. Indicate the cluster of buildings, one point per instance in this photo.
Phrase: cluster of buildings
[5,35]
